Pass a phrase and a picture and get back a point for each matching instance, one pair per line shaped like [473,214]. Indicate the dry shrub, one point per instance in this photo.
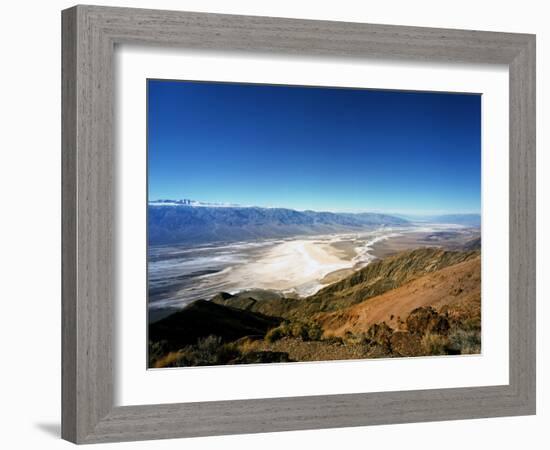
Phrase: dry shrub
[435,344]
[305,331]
[314,332]
[353,339]
[247,344]
[208,351]
[426,320]
[277,333]
[334,340]
[406,344]
[157,350]
[465,341]
[168,360]
[380,333]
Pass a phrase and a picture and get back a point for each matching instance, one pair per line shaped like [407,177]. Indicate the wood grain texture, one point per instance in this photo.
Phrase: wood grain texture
[89,36]
[522,282]
[68,225]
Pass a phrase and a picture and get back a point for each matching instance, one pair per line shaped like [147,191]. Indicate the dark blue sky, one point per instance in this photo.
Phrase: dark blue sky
[314,148]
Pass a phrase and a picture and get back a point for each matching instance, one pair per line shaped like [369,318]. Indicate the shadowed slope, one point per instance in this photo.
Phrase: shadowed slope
[203,318]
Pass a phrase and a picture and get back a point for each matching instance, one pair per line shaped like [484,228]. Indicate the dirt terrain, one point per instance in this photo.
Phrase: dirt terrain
[300,350]
[457,285]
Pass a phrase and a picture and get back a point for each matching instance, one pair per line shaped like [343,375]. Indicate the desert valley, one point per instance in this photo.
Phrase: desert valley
[254,285]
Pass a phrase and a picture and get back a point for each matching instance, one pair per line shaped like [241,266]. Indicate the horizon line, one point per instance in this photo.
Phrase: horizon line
[403,212]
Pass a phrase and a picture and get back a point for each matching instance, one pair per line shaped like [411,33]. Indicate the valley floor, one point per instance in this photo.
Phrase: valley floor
[293,267]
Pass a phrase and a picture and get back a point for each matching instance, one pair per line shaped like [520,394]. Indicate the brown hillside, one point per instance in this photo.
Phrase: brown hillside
[457,286]
[375,279]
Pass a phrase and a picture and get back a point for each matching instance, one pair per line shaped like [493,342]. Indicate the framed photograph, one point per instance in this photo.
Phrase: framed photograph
[278,224]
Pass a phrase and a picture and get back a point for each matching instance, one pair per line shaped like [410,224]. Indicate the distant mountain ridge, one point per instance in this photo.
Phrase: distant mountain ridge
[189,221]
[467,220]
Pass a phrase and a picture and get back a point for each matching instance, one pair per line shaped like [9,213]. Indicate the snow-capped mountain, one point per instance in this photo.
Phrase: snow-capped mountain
[188,202]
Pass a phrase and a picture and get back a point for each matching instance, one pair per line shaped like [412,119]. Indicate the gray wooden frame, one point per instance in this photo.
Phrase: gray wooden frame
[89,36]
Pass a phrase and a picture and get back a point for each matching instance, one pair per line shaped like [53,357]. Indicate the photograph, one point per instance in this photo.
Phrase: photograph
[294,224]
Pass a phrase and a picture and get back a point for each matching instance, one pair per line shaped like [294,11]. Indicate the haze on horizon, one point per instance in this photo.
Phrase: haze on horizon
[308,148]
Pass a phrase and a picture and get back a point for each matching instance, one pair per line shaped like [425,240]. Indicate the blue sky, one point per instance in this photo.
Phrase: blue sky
[314,148]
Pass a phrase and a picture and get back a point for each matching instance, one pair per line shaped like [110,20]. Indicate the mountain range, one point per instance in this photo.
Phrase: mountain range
[189,221]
